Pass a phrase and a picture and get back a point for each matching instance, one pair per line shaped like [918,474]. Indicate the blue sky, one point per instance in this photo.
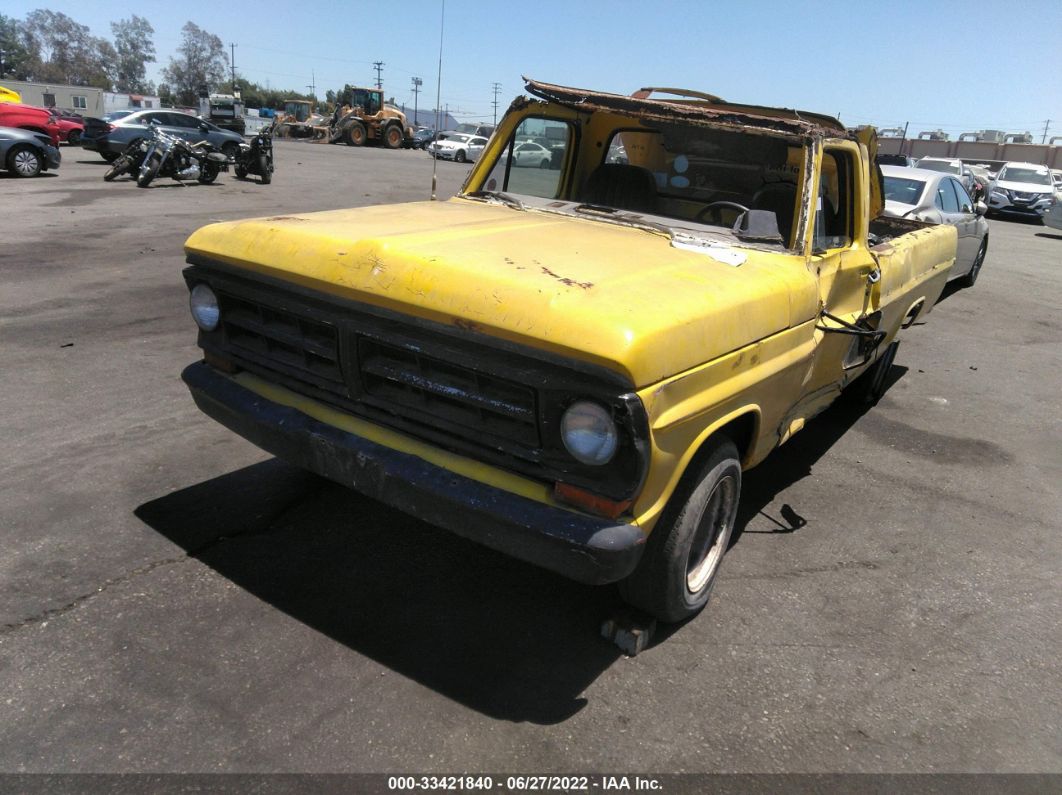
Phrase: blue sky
[957,65]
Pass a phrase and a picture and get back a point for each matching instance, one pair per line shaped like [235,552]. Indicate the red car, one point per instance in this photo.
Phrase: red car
[70,129]
[27,117]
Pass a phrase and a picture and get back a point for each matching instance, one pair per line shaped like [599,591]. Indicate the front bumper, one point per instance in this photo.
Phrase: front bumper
[52,156]
[581,547]
[1032,208]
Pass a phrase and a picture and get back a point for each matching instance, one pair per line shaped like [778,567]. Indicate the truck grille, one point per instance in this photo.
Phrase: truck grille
[409,383]
[346,363]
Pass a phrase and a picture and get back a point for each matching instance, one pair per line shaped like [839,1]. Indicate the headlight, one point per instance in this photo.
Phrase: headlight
[205,309]
[589,433]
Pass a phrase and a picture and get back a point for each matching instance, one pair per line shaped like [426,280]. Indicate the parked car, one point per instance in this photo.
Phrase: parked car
[1024,189]
[532,155]
[26,153]
[27,117]
[895,160]
[1056,177]
[421,138]
[70,129]
[949,165]
[939,198]
[1053,216]
[458,147]
[110,137]
[982,179]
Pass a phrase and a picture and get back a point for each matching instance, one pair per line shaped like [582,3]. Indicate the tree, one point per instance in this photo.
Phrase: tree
[15,55]
[200,61]
[135,49]
[64,51]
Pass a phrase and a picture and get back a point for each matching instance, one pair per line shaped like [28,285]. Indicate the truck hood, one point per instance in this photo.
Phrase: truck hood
[612,295]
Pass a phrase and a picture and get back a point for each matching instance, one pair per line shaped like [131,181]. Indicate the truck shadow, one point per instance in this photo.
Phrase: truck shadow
[502,637]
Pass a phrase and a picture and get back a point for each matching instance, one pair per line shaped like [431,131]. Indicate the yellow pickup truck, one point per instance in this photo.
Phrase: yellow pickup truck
[632,300]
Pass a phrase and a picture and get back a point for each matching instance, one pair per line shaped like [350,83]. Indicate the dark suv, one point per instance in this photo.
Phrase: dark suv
[110,138]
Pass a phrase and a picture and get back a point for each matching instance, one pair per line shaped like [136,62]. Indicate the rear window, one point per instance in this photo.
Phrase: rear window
[904,191]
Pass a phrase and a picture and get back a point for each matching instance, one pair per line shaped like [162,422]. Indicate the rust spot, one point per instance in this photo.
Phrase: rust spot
[467,325]
[565,280]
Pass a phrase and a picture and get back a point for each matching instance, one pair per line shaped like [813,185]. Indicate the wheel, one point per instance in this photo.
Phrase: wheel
[24,161]
[265,171]
[393,137]
[971,278]
[208,174]
[117,168]
[355,134]
[110,157]
[231,150]
[74,138]
[681,560]
[148,171]
[870,386]
[460,156]
[241,172]
[544,163]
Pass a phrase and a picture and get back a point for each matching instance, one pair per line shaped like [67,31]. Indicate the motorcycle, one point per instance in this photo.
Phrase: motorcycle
[170,156]
[257,156]
[129,161]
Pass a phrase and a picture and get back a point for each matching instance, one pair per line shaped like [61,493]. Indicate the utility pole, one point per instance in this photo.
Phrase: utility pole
[2,53]
[378,66]
[497,88]
[232,65]
[1047,126]
[313,85]
[417,83]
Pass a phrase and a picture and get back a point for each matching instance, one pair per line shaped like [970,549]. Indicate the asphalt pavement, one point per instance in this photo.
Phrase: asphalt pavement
[173,599]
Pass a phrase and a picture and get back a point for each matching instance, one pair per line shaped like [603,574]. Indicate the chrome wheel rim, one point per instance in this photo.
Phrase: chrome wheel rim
[712,534]
[26,163]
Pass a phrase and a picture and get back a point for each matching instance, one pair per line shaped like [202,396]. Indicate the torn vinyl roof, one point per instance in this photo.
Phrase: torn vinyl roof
[706,110]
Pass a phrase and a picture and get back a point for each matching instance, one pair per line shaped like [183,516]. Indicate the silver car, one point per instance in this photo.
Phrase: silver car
[939,198]
[26,153]
[1024,189]
[110,138]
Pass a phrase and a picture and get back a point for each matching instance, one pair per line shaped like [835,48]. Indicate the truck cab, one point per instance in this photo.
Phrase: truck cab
[576,358]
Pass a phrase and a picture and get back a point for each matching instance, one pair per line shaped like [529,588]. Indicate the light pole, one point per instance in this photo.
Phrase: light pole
[417,83]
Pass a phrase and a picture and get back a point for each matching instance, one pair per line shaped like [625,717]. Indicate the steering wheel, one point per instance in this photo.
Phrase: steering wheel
[715,207]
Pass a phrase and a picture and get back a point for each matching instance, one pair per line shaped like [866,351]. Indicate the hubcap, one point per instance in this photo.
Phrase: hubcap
[712,535]
[25,163]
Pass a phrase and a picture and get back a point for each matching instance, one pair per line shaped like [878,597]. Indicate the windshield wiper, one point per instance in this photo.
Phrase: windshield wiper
[504,198]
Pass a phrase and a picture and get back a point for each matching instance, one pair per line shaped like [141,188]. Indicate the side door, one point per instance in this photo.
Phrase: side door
[847,274]
[183,126]
[475,147]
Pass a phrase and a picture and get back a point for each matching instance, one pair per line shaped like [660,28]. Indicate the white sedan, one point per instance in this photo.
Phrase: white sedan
[458,147]
[532,155]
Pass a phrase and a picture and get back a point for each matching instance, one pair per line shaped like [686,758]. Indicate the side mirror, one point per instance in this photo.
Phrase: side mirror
[981,208]
[203,127]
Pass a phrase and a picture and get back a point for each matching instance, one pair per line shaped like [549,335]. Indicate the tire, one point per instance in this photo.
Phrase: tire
[544,163]
[110,157]
[970,279]
[355,135]
[24,161]
[119,167]
[208,173]
[870,386]
[682,556]
[148,171]
[393,137]
[74,139]
[264,172]
[460,156]
[241,172]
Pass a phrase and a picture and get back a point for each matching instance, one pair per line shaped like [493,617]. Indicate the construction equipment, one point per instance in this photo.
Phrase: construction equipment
[366,117]
[296,120]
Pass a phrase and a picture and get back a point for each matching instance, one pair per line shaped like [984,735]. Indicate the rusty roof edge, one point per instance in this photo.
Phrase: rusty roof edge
[730,115]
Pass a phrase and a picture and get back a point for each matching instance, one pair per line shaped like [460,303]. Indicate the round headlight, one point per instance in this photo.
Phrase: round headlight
[589,433]
[205,307]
